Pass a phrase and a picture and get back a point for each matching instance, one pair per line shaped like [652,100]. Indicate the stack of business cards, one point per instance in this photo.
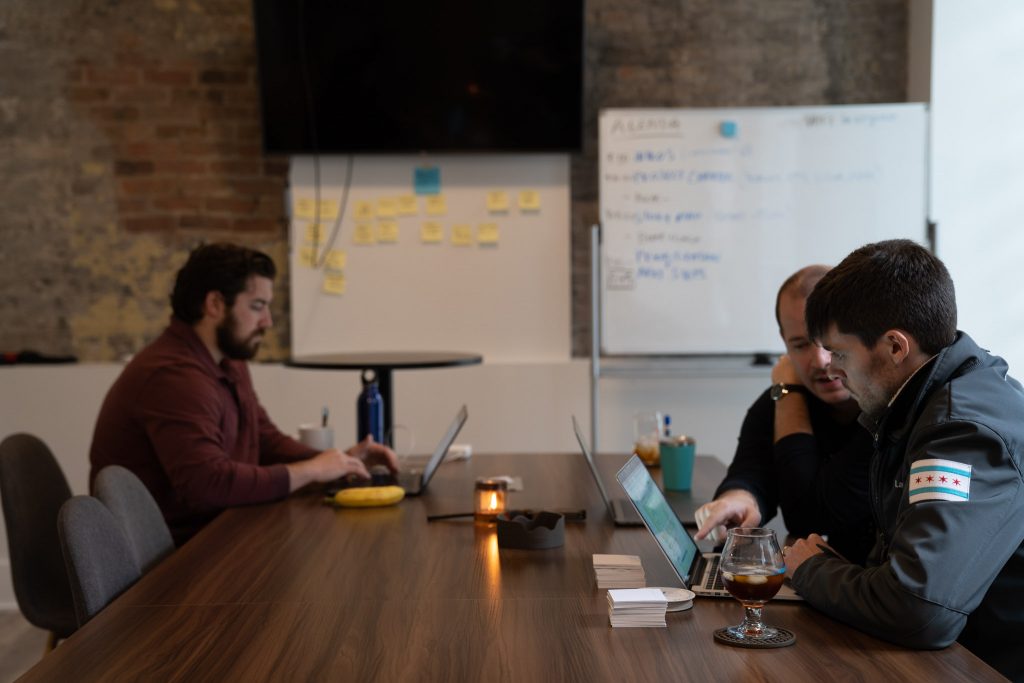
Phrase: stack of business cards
[637,607]
[619,571]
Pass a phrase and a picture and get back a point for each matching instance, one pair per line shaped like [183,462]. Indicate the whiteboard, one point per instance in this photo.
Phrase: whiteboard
[507,300]
[705,212]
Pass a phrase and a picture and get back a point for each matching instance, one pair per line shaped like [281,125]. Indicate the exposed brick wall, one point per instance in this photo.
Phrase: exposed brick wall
[133,130]
[129,132]
[185,141]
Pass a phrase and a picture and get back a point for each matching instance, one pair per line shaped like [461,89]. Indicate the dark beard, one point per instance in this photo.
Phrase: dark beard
[230,346]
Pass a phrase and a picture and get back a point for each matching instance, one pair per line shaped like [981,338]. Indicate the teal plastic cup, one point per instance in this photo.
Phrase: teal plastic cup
[677,454]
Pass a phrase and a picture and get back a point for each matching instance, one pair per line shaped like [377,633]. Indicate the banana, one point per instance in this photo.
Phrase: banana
[369,496]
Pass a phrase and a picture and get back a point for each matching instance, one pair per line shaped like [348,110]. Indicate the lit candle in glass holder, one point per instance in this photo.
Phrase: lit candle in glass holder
[489,499]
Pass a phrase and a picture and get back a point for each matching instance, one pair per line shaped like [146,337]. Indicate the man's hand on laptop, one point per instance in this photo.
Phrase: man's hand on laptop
[735,507]
[372,453]
[323,467]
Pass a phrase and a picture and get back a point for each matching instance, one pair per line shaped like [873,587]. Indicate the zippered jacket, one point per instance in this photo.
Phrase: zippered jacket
[947,493]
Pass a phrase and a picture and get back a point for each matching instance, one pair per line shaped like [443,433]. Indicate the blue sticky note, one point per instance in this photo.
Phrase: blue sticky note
[728,129]
[427,180]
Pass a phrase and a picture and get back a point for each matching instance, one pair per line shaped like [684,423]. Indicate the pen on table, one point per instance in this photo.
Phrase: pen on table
[569,515]
[431,518]
[323,417]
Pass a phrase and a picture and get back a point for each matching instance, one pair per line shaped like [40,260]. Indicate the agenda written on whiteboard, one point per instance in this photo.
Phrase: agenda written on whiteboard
[704,213]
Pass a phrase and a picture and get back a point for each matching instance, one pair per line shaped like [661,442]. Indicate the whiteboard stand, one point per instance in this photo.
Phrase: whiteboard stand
[595,330]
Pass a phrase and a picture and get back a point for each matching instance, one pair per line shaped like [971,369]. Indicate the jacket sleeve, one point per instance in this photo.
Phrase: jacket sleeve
[940,557]
[181,411]
[752,468]
[276,447]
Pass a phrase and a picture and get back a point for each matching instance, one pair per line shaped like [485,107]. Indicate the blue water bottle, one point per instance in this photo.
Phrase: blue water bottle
[370,409]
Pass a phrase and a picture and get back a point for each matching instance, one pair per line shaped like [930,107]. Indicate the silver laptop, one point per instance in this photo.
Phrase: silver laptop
[698,571]
[621,510]
[415,480]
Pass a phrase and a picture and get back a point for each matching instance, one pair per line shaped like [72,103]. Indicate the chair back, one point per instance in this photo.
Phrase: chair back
[133,506]
[33,488]
[99,559]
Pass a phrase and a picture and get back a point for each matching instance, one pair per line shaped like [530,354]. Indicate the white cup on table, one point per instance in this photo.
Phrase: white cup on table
[316,436]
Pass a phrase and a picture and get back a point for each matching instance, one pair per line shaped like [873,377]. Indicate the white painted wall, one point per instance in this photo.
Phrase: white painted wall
[977,179]
[515,407]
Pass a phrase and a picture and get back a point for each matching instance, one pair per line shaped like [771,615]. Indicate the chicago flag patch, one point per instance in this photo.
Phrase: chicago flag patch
[935,479]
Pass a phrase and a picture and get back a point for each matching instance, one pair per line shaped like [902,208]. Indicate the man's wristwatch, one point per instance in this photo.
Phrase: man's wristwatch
[779,390]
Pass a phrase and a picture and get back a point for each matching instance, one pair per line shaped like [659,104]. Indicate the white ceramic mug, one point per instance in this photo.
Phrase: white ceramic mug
[315,436]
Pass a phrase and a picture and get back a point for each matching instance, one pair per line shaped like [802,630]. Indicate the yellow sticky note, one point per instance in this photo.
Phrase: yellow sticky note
[316,233]
[307,257]
[387,231]
[305,207]
[462,235]
[436,205]
[529,200]
[328,209]
[487,233]
[364,234]
[432,233]
[387,207]
[334,283]
[364,211]
[497,200]
[407,205]
[336,259]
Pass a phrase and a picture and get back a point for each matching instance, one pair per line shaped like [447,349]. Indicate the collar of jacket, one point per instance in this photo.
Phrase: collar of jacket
[954,360]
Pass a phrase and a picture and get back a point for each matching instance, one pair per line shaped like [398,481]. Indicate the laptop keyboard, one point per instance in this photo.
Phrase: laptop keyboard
[713,577]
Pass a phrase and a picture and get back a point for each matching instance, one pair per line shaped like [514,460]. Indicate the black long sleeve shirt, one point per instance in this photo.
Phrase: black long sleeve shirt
[819,480]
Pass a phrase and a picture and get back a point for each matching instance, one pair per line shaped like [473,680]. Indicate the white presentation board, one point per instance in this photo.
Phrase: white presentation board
[480,265]
[704,213]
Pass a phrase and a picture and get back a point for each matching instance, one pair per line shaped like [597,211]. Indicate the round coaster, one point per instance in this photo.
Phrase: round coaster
[783,638]
[679,599]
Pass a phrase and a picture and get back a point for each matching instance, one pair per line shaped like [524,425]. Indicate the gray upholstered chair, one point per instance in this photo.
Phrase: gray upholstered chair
[140,517]
[98,556]
[33,488]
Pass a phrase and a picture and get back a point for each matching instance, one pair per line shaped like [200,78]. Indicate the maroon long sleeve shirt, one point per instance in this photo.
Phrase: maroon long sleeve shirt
[193,431]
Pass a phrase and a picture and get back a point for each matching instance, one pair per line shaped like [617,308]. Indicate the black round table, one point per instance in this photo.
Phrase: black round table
[382,363]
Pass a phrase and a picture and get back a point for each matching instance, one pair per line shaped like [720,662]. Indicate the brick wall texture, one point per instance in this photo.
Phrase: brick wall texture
[130,132]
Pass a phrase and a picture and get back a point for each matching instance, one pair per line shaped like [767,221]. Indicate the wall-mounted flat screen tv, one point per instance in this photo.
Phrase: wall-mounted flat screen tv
[372,76]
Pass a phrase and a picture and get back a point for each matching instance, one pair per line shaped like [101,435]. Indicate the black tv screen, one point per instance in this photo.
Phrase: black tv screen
[372,76]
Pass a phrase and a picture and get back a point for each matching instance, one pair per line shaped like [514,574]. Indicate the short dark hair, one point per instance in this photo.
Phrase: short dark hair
[220,267]
[896,284]
[801,282]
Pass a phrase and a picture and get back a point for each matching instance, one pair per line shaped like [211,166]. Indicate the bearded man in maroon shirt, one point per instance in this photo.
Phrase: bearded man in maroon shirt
[184,416]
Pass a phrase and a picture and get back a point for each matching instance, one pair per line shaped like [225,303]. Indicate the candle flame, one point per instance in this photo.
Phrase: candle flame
[494,501]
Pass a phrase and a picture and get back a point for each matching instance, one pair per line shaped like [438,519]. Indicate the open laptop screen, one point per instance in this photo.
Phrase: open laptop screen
[444,444]
[591,465]
[668,531]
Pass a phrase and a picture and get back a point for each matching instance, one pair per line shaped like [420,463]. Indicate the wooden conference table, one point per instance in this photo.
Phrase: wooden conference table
[297,591]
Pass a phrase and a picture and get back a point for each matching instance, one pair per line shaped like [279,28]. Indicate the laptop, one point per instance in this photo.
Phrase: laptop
[698,571]
[621,510]
[413,480]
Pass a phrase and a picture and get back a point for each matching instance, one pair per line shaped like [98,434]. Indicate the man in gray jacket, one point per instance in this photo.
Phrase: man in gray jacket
[946,480]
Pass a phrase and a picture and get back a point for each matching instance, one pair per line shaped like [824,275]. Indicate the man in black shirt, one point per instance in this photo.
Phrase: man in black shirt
[800,448]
